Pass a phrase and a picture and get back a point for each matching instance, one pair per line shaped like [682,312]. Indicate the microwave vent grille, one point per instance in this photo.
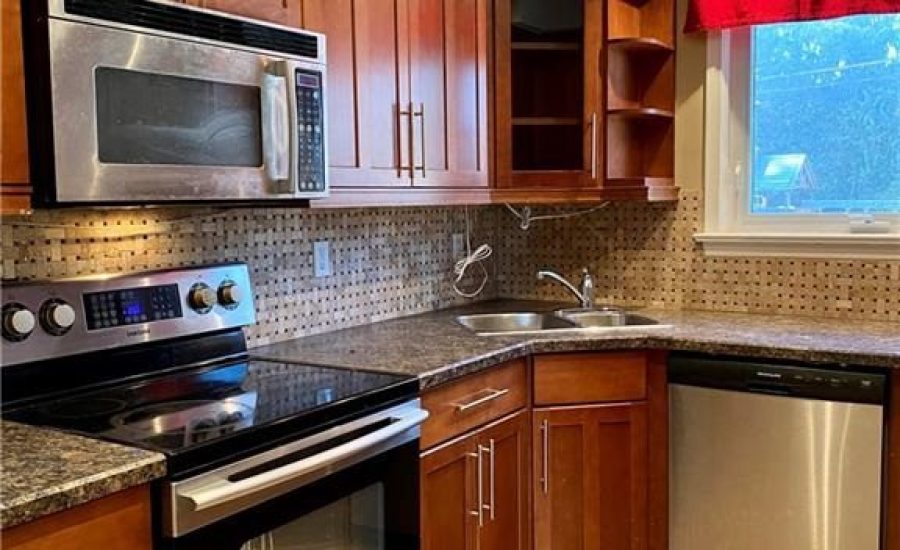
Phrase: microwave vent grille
[175,19]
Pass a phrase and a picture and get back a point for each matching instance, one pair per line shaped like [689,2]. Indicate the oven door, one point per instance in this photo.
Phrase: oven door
[143,118]
[353,487]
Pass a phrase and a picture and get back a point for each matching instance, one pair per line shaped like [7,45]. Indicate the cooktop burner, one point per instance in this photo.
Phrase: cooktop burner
[233,405]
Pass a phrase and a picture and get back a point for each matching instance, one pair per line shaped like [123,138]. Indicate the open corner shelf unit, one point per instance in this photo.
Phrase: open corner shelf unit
[640,96]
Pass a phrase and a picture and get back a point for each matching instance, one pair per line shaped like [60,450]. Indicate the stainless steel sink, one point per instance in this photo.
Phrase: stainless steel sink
[498,323]
[606,317]
[567,320]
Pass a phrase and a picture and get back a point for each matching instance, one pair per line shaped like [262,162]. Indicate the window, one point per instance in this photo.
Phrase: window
[803,138]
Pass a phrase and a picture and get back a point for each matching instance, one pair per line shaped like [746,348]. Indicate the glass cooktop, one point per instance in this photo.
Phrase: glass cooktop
[224,410]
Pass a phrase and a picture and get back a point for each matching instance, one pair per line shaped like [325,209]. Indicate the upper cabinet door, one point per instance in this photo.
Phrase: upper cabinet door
[369,121]
[448,78]
[283,12]
[549,109]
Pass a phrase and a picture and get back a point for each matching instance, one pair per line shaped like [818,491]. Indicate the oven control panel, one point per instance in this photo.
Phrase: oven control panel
[45,320]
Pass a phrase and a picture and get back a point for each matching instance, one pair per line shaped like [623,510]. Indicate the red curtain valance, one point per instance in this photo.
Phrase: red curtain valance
[725,14]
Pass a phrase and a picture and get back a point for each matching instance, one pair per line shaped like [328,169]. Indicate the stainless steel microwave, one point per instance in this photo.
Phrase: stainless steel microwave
[137,102]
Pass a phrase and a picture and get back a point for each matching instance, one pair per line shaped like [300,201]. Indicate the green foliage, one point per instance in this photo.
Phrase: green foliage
[831,89]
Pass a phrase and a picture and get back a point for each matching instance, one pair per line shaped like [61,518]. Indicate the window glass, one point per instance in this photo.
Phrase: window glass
[825,117]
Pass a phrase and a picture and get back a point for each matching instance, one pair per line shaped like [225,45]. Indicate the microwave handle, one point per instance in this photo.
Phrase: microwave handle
[224,491]
[276,136]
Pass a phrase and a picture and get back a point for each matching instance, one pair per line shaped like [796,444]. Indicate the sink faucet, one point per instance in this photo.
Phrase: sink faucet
[585,292]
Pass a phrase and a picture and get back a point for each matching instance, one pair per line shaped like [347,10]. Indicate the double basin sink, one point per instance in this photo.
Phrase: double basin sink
[563,320]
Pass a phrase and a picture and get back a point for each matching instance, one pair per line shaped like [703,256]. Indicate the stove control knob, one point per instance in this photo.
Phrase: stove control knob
[201,298]
[18,322]
[229,294]
[57,317]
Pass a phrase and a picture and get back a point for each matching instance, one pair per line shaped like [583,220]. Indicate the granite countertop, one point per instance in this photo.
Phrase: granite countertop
[46,471]
[435,348]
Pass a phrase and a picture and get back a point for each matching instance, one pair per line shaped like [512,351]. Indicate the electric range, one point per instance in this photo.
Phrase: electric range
[259,453]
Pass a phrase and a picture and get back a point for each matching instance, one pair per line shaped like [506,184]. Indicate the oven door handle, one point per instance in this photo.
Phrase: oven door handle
[223,491]
[276,125]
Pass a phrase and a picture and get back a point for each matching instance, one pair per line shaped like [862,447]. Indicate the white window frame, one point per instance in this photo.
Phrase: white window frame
[729,229]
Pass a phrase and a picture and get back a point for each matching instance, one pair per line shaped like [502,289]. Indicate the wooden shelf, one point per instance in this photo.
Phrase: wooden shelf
[642,113]
[546,121]
[640,44]
[547,46]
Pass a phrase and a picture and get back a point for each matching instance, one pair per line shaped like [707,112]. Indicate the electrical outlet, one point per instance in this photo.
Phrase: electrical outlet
[322,259]
[459,245]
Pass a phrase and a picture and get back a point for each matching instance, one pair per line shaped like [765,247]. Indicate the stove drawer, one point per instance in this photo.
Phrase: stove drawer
[474,400]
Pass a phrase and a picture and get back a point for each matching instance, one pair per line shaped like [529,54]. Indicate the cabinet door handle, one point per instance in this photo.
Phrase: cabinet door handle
[594,145]
[400,114]
[421,114]
[490,394]
[545,456]
[491,492]
[479,510]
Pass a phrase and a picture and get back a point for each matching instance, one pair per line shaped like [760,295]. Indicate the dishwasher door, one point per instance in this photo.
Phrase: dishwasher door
[752,471]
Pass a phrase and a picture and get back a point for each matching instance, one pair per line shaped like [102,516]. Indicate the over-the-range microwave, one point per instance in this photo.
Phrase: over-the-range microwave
[135,102]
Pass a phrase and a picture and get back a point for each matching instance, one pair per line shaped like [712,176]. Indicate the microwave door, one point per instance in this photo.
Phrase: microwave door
[140,118]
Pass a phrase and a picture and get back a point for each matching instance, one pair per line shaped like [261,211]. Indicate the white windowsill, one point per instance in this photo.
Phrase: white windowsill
[797,245]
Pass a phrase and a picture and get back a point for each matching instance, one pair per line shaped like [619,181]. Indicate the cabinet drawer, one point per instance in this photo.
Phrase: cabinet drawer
[589,377]
[472,401]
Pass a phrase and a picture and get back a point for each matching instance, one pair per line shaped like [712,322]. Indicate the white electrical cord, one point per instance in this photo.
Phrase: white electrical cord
[481,254]
[525,217]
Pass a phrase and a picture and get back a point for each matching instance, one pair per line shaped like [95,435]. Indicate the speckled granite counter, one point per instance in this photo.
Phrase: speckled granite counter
[435,348]
[45,471]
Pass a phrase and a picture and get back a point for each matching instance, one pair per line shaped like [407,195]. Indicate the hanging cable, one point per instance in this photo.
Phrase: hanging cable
[480,254]
[526,218]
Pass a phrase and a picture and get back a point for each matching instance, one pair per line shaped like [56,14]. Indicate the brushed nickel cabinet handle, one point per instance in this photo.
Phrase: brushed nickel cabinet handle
[594,146]
[491,491]
[400,114]
[421,114]
[545,456]
[480,487]
[490,394]
[477,512]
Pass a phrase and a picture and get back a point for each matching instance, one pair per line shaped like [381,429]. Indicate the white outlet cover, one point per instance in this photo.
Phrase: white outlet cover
[322,259]
[459,244]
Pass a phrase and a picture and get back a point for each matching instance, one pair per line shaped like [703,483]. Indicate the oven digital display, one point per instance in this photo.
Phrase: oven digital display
[131,306]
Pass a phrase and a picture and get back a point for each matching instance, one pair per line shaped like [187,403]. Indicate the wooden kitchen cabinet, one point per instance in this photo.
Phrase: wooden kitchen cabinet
[549,101]
[15,189]
[283,12]
[590,478]
[120,521]
[487,469]
[407,100]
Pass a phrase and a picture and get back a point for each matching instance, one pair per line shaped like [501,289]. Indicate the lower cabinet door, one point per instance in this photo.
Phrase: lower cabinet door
[475,489]
[448,486]
[590,477]
[505,522]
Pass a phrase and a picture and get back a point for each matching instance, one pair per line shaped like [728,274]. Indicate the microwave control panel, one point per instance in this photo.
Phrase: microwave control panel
[310,131]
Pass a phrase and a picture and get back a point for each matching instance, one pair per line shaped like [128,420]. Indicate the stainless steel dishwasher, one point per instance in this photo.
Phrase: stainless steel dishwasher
[774,457]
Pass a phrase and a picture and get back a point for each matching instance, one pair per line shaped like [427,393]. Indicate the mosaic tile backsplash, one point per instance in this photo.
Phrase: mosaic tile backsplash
[387,262]
[643,255]
[397,261]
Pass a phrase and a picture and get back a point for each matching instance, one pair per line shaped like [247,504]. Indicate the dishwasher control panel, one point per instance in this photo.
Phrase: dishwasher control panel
[829,383]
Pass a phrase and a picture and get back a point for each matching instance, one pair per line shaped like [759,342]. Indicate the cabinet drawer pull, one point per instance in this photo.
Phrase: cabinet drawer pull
[490,394]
